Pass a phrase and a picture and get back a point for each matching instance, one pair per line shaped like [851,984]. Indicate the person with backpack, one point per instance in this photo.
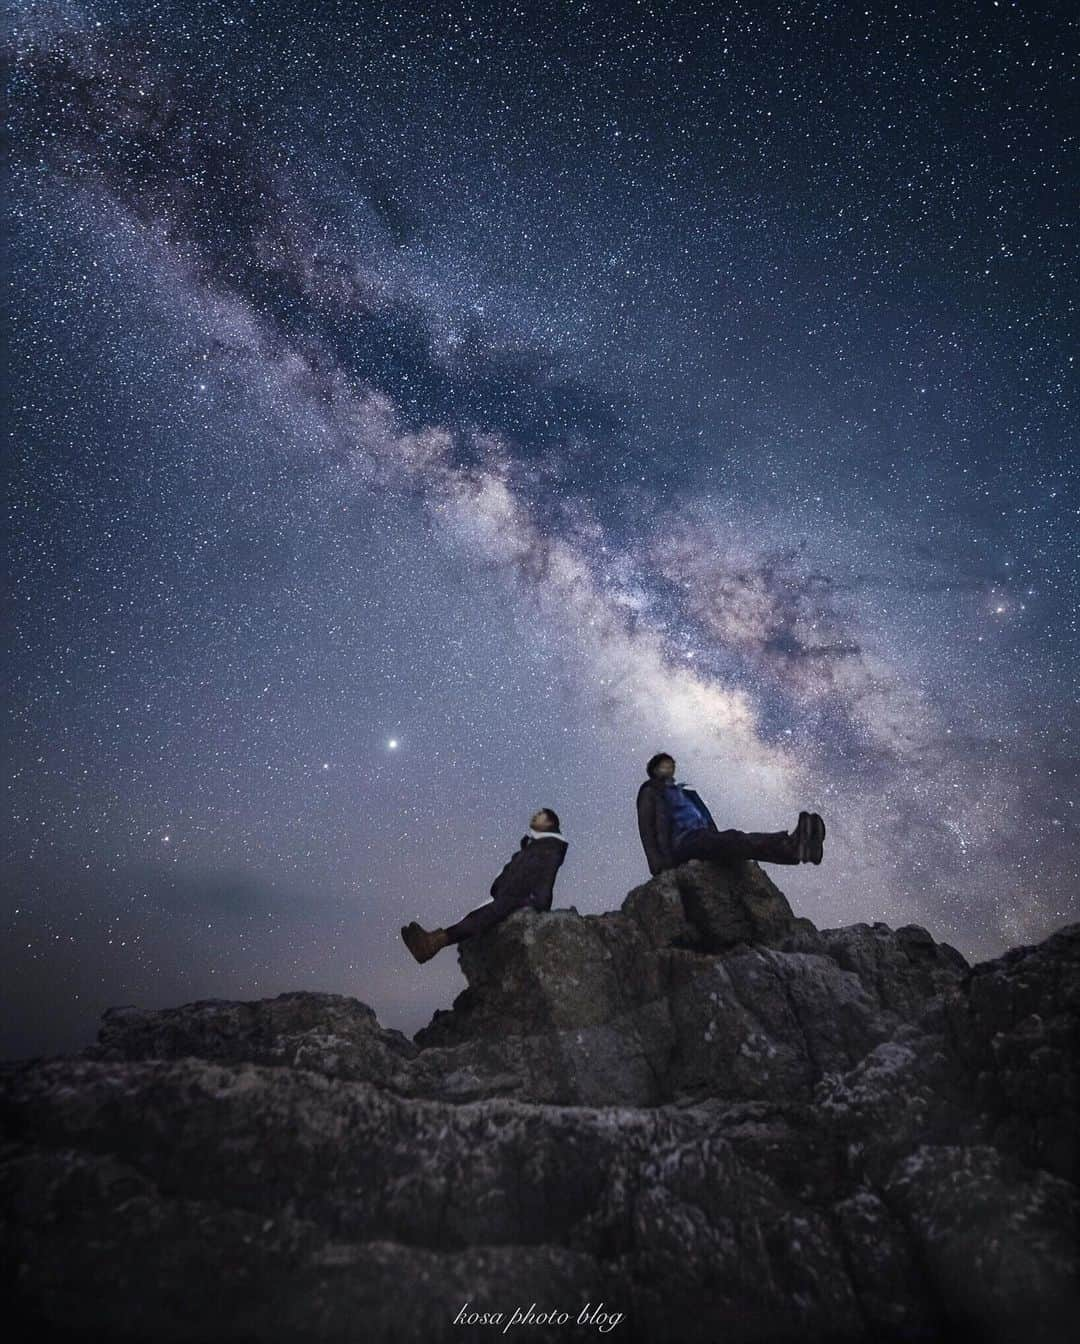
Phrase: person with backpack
[527,879]
[675,825]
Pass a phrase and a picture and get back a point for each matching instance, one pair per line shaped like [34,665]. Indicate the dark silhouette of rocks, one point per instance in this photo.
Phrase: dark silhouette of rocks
[699,1112]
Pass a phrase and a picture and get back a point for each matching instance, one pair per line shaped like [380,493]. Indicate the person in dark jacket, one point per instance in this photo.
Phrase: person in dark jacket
[675,825]
[527,879]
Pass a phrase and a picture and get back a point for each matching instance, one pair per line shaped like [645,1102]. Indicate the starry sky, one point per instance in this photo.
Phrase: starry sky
[421,414]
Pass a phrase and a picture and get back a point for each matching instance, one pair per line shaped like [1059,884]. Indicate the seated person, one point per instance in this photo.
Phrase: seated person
[527,879]
[675,825]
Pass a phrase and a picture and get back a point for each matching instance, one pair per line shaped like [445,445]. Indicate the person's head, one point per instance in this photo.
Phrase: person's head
[547,819]
[661,767]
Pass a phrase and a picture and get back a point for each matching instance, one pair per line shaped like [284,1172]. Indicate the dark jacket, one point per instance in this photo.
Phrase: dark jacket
[531,872]
[654,822]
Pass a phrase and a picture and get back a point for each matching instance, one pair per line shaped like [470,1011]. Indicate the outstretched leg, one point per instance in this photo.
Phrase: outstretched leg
[423,944]
[485,916]
[731,846]
[802,845]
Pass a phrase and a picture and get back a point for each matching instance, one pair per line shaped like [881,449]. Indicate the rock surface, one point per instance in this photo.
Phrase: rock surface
[699,1113]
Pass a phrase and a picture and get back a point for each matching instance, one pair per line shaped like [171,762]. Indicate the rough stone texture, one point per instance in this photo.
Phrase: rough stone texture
[338,1034]
[1017,1032]
[698,1111]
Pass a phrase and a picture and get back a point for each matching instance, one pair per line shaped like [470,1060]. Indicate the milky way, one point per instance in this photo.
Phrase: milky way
[534,387]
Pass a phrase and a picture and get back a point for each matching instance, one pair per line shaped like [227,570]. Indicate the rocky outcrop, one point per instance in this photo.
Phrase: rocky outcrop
[699,1114]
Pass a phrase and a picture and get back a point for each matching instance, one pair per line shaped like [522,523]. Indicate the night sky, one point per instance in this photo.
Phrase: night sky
[419,414]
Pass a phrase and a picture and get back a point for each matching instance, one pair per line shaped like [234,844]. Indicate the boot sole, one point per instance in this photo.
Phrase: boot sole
[817,837]
[409,934]
[803,833]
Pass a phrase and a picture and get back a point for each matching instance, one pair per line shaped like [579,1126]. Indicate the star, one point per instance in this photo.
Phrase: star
[632,423]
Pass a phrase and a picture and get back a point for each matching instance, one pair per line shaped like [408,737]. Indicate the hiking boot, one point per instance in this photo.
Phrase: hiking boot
[422,943]
[808,838]
[800,838]
[817,838]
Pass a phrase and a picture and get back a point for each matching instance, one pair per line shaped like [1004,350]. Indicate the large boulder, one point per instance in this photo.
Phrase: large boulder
[1015,1025]
[712,907]
[332,1033]
[704,983]
[900,968]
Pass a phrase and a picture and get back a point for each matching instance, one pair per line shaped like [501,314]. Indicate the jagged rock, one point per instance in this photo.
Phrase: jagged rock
[762,1024]
[549,971]
[998,1240]
[332,1033]
[1016,1027]
[712,907]
[678,993]
[901,968]
[699,1113]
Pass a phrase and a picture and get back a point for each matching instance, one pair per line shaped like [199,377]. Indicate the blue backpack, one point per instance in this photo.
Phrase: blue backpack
[685,813]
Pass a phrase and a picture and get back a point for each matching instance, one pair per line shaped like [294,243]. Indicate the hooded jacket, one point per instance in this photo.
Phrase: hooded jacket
[531,871]
[654,822]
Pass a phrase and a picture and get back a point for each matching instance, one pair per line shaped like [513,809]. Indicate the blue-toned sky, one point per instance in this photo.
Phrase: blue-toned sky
[535,387]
